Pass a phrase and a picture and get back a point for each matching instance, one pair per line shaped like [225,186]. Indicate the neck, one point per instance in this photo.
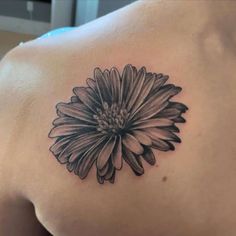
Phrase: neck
[219,14]
[208,19]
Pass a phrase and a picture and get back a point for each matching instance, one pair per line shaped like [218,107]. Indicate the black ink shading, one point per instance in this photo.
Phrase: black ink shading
[116,118]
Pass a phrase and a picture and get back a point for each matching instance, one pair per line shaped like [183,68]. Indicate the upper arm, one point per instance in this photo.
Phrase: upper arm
[17,216]
[12,95]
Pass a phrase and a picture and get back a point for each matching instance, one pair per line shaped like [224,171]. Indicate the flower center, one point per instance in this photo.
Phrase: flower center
[111,119]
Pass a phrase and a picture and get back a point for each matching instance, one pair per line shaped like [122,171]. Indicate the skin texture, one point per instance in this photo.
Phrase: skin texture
[188,192]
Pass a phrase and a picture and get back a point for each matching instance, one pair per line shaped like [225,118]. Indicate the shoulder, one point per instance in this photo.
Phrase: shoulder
[20,79]
[15,103]
[13,94]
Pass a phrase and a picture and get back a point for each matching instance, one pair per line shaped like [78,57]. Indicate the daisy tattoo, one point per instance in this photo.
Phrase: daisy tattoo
[116,119]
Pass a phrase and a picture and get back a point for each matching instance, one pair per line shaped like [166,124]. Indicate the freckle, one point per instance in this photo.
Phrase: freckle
[164,179]
[199,134]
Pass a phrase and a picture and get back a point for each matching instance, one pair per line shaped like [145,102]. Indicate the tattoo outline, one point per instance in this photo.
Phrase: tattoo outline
[116,118]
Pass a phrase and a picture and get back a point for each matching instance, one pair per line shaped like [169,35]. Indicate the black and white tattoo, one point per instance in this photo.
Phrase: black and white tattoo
[116,118]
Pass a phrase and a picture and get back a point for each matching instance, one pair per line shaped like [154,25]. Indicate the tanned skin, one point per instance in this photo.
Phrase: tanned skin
[189,191]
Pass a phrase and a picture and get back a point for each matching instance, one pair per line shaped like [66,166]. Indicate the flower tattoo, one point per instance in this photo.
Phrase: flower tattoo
[116,118]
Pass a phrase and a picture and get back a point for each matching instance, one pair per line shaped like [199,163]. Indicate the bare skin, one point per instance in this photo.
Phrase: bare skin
[191,191]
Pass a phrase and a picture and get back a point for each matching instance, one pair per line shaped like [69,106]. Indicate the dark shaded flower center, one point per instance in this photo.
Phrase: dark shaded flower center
[111,119]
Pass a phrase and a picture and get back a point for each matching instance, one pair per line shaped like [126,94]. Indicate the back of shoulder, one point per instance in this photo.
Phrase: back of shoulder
[37,76]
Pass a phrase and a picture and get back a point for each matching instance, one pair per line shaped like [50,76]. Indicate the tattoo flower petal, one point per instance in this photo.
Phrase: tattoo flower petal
[116,118]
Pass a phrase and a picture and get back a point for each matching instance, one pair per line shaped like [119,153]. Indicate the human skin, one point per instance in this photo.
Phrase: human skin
[190,191]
